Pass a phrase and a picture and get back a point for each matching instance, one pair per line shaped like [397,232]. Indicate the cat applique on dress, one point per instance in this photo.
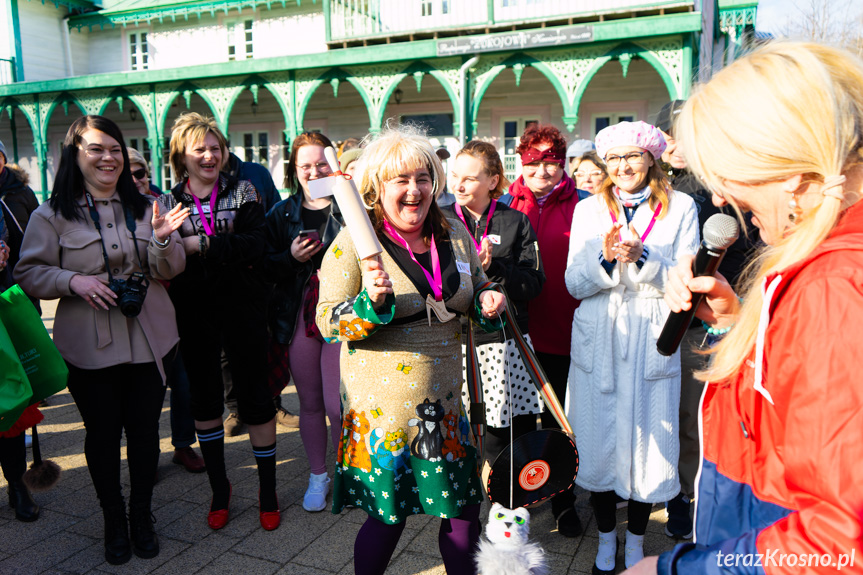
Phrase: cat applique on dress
[428,444]
[505,549]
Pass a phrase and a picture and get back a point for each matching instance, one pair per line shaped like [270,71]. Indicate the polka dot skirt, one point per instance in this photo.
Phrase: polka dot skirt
[497,360]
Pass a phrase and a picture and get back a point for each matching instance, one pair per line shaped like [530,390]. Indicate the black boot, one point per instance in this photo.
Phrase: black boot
[118,550]
[145,544]
[21,501]
[13,460]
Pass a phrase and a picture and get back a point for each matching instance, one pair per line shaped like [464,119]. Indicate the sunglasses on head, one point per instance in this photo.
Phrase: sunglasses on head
[139,174]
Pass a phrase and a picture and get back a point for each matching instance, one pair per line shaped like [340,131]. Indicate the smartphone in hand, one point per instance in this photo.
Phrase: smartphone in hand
[310,235]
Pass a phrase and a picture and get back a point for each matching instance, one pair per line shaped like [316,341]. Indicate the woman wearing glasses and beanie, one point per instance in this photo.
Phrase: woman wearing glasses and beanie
[299,231]
[221,305]
[623,395]
[544,188]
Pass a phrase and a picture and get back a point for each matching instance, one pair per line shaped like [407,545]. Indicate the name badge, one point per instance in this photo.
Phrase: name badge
[463,267]
[205,209]
[494,238]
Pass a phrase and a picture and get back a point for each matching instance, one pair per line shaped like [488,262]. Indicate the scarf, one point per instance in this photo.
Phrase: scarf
[632,200]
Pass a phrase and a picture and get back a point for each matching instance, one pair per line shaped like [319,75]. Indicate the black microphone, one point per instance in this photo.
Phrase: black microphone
[720,231]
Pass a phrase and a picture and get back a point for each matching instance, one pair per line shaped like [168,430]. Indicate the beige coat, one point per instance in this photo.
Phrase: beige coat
[55,249]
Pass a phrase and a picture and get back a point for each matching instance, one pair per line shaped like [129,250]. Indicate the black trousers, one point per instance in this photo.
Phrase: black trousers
[113,399]
[556,367]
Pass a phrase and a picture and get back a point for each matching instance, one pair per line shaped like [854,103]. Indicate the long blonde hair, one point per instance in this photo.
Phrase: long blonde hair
[787,109]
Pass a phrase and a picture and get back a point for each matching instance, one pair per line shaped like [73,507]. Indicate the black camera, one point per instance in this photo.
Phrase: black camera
[130,293]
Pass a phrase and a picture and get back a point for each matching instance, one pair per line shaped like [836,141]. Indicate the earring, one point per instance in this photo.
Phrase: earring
[796,211]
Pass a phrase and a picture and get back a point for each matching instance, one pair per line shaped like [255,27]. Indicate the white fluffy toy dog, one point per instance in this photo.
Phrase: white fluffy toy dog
[505,550]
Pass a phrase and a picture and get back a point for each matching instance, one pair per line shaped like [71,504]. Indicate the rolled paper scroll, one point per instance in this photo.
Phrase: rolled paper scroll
[351,205]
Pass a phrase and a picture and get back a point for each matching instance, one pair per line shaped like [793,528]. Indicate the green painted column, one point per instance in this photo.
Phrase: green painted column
[686,75]
[15,40]
[42,161]
[154,138]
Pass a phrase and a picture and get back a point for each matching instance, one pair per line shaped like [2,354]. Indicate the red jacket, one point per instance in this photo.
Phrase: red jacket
[782,471]
[550,321]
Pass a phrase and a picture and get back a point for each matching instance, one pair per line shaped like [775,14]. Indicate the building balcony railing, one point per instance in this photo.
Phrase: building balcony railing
[353,20]
[7,71]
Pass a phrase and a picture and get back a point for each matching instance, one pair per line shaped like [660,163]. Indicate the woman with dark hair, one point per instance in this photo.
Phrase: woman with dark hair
[224,239]
[95,244]
[623,395]
[405,447]
[545,188]
[299,230]
[507,249]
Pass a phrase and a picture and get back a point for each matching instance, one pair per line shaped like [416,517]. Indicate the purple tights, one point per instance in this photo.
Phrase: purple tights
[315,367]
[457,539]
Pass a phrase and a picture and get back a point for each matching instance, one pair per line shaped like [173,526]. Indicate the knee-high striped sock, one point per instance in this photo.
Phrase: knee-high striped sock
[266,459]
[212,444]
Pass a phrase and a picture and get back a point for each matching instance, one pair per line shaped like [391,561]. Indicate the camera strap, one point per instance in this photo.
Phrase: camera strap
[131,225]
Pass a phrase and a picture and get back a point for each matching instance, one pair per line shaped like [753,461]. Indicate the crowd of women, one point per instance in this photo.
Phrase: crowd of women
[588,266]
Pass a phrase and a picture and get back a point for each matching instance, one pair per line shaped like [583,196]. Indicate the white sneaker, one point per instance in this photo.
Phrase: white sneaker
[315,498]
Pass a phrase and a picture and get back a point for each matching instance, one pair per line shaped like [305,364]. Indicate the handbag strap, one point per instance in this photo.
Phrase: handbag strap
[531,363]
[474,386]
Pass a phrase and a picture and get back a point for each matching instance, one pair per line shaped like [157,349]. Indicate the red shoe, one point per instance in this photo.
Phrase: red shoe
[270,520]
[219,518]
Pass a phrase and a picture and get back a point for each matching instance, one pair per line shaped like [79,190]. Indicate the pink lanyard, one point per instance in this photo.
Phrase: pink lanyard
[209,227]
[460,215]
[649,226]
[435,282]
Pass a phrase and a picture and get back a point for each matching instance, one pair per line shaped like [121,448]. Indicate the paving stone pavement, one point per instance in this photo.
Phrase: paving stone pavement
[67,538]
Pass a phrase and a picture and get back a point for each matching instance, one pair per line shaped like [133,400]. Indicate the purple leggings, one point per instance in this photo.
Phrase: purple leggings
[457,538]
[315,367]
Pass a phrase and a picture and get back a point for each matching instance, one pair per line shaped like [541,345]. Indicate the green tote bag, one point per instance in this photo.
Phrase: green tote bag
[15,392]
[43,364]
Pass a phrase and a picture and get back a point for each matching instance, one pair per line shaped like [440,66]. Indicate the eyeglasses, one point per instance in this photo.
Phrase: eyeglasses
[139,174]
[631,158]
[593,174]
[320,167]
[550,167]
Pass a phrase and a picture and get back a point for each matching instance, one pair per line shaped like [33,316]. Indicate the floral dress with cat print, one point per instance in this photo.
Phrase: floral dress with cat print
[405,446]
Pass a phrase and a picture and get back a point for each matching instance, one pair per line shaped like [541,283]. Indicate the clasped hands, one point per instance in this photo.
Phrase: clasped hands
[613,248]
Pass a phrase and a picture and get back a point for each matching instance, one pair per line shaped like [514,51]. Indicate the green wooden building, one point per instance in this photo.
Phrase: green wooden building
[269,69]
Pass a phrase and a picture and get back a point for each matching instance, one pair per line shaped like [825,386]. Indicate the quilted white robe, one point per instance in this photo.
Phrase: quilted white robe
[623,397]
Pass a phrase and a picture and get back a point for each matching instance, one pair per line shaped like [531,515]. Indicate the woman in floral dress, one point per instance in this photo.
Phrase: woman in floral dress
[405,446]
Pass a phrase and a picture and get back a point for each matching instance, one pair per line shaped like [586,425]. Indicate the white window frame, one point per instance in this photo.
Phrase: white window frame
[590,111]
[239,148]
[240,38]
[139,58]
[522,115]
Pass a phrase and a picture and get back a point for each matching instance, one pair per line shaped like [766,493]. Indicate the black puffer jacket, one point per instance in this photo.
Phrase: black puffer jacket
[18,202]
[290,277]
[515,260]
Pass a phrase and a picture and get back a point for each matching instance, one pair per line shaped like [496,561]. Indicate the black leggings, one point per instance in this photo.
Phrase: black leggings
[605,509]
[112,399]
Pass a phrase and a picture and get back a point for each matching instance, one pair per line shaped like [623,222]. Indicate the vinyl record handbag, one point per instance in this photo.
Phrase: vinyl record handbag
[43,364]
[15,392]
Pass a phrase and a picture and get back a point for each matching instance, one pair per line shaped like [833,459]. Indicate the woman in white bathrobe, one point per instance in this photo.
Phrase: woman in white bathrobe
[623,396]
